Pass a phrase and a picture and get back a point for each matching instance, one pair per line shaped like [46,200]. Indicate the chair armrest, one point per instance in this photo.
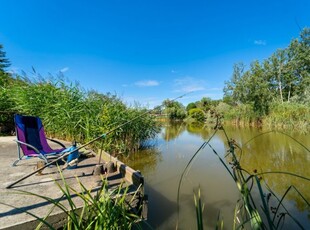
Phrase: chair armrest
[31,146]
[34,148]
[61,144]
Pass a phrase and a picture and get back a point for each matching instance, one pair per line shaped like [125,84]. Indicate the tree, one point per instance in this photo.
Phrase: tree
[197,114]
[190,106]
[4,62]
[258,91]
[174,109]
[283,76]
[299,64]
[235,88]
[205,104]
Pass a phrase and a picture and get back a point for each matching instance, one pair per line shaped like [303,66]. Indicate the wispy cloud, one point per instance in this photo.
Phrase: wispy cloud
[260,42]
[146,83]
[63,70]
[189,84]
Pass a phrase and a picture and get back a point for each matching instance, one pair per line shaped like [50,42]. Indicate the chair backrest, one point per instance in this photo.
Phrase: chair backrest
[30,130]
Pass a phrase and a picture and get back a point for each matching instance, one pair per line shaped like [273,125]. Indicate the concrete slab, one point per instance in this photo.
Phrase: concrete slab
[15,205]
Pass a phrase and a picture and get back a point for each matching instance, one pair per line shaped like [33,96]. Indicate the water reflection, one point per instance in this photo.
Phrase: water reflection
[145,160]
[172,130]
[163,165]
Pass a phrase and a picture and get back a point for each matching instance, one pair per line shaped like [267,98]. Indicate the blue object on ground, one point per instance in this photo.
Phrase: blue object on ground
[72,159]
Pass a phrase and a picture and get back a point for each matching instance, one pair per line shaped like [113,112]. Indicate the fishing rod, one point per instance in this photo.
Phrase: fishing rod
[90,142]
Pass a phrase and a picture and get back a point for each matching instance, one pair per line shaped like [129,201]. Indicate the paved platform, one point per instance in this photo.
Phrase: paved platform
[15,205]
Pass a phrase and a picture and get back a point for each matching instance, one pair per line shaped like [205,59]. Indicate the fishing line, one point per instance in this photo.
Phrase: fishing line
[91,141]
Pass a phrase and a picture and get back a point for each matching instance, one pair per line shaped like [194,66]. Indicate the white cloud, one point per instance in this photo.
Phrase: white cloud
[189,84]
[147,83]
[260,42]
[63,70]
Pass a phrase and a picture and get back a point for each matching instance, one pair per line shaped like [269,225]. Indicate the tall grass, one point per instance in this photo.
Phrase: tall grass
[72,113]
[289,115]
[241,115]
[101,210]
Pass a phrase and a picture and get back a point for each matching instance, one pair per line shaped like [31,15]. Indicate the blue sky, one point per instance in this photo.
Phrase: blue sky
[147,50]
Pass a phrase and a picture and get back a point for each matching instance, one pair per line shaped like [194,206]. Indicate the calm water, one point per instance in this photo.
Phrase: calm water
[163,165]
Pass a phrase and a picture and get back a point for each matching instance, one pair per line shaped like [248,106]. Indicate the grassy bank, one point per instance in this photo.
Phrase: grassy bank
[281,116]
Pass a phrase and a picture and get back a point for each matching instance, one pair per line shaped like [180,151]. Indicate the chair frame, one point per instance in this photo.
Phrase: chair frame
[21,156]
[38,153]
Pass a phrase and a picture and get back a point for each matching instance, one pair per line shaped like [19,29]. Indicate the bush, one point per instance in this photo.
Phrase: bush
[197,114]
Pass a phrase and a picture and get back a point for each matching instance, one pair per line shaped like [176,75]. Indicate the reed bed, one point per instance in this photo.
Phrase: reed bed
[69,112]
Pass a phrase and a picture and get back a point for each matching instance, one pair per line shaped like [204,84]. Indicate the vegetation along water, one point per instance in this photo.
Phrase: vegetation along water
[273,95]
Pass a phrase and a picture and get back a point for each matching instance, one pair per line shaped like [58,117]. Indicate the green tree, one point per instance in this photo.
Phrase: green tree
[299,64]
[197,114]
[282,77]
[190,106]
[4,62]
[275,68]
[235,88]
[205,104]
[174,110]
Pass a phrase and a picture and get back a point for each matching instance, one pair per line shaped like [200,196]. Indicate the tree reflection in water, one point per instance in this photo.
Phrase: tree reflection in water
[269,152]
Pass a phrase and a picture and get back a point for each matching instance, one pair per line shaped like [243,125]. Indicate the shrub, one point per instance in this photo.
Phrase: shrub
[197,114]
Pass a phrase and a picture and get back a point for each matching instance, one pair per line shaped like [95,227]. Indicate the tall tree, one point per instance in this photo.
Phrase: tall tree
[174,109]
[4,62]
[235,88]
[299,64]
[274,67]
[283,76]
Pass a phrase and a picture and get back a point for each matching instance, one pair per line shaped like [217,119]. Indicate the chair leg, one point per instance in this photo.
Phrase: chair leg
[15,162]
[45,159]
[19,157]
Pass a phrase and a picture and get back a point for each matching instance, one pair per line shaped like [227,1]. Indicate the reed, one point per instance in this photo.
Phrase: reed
[71,113]
[289,115]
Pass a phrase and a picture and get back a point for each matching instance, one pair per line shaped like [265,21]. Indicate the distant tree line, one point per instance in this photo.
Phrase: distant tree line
[283,77]
[275,91]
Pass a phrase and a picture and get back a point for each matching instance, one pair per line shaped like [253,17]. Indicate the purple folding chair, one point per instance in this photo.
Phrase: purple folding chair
[31,139]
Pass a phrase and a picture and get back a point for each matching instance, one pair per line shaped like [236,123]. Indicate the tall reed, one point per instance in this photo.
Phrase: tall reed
[70,112]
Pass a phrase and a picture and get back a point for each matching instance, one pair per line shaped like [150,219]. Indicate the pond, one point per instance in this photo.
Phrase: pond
[163,165]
